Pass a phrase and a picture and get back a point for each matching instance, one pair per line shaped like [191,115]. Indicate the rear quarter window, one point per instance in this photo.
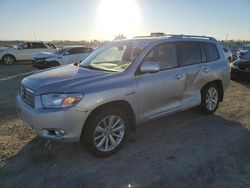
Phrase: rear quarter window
[211,52]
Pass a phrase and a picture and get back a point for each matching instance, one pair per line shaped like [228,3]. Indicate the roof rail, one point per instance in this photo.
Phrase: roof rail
[191,36]
[181,36]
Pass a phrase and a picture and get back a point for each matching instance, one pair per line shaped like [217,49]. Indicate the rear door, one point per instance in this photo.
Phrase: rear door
[160,92]
[38,47]
[191,59]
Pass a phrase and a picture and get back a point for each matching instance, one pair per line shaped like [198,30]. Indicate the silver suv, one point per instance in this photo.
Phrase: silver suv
[121,85]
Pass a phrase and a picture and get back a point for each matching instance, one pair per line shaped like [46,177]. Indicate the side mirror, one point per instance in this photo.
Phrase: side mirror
[20,48]
[150,67]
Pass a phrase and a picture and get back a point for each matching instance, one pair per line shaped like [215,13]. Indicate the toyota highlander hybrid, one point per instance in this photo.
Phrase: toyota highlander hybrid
[123,84]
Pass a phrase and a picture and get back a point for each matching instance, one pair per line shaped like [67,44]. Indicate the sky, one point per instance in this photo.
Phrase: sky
[104,19]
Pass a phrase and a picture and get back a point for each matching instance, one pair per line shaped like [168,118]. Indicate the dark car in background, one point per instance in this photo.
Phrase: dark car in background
[241,66]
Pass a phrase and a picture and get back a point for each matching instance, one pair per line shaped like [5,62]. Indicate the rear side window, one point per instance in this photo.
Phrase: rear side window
[211,51]
[38,45]
[74,51]
[79,50]
[85,50]
[190,53]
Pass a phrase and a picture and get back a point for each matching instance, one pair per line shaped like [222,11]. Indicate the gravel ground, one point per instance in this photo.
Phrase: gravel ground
[187,149]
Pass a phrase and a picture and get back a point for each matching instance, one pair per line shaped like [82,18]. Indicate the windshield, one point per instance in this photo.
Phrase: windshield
[60,51]
[246,56]
[115,57]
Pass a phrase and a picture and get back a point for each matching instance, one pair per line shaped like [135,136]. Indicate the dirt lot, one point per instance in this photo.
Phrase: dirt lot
[183,150]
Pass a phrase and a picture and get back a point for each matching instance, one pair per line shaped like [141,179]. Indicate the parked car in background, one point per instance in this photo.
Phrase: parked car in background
[243,50]
[241,67]
[122,84]
[228,52]
[24,51]
[63,56]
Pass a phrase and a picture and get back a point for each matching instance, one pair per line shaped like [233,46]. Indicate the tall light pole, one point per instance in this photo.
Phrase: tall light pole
[35,35]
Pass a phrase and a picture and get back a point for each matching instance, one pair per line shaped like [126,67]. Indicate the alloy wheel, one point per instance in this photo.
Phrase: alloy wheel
[212,98]
[109,133]
[8,60]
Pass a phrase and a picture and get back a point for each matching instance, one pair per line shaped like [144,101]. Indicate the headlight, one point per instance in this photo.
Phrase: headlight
[56,100]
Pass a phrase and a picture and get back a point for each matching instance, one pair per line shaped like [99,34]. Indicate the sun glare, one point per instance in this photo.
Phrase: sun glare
[118,17]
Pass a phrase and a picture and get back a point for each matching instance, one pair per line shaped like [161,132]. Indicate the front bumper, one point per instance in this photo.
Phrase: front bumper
[40,120]
[41,64]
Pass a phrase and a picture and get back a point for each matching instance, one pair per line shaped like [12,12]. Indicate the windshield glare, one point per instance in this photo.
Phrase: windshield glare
[115,57]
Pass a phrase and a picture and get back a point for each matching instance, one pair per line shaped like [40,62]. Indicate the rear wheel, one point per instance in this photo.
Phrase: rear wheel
[8,59]
[106,132]
[210,98]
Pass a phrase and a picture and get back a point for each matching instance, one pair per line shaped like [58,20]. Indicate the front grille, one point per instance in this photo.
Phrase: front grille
[27,95]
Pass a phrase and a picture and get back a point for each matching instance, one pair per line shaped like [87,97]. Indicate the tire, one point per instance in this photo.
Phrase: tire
[8,59]
[95,133]
[210,97]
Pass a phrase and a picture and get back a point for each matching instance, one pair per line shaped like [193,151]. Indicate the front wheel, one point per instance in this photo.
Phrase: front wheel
[210,98]
[106,132]
[8,59]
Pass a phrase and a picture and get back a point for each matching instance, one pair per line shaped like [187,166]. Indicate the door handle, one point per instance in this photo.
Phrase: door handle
[206,70]
[179,77]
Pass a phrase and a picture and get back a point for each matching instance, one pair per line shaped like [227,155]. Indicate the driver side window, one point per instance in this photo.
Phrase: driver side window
[26,46]
[165,55]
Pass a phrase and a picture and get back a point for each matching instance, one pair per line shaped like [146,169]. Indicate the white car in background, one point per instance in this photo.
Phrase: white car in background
[243,50]
[63,56]
[228,52]
[24,51]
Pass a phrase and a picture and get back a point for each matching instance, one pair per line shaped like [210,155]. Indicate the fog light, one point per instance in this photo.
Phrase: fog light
[60,132]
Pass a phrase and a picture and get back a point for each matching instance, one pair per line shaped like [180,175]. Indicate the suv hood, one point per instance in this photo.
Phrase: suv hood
[44,55]
[69,78]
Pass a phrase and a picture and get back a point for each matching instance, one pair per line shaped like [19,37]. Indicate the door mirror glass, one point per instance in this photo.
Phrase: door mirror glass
[150,67]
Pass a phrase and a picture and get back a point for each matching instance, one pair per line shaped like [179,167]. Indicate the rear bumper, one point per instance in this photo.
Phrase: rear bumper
[42,121]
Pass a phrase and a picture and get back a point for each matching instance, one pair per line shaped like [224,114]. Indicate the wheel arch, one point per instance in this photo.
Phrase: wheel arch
[121,104]
[219,83]
[9,55]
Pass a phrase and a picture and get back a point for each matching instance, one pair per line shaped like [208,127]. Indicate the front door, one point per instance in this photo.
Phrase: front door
[161,92]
